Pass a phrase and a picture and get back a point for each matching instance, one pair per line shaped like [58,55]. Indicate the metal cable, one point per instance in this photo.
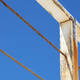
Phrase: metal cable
[38,34]
[33,28]
[21,64]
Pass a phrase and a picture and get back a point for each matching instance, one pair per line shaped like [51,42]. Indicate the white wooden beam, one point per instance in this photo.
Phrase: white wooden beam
[58,12]
[69,35]
[66,40]
[55,9]
[69,46]
[75,52]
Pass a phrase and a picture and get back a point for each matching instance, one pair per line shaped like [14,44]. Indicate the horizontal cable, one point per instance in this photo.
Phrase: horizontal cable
[32,28]
[21,64]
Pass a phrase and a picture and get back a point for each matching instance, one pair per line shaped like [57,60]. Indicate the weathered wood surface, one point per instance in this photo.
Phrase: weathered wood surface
[69,67]
[58,12]
[66,39]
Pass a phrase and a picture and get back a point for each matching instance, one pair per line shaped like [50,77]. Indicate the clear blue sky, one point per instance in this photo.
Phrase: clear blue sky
[22,43]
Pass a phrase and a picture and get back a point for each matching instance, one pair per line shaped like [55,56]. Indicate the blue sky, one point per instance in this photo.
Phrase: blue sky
[22,43]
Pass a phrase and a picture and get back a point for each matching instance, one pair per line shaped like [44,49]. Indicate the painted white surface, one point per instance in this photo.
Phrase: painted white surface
[54,10]
[58,12]
[78,34]
[66,40]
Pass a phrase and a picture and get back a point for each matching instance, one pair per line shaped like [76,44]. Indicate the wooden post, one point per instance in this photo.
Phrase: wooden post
[66,39]
[68,45]
[75,52]
[69,35]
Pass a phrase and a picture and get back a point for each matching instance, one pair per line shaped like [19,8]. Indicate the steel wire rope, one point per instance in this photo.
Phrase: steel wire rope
[33,28]
[21,64]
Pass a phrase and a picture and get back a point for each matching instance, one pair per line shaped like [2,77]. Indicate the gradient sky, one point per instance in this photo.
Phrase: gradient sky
[22,43]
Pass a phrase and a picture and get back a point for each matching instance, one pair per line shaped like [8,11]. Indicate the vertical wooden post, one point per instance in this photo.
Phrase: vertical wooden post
[68,44]
[66,69]
[69,35]
[75,52]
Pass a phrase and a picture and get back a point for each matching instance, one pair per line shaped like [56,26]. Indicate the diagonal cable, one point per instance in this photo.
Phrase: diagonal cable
[37,33]
[21,64]
[33,28]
